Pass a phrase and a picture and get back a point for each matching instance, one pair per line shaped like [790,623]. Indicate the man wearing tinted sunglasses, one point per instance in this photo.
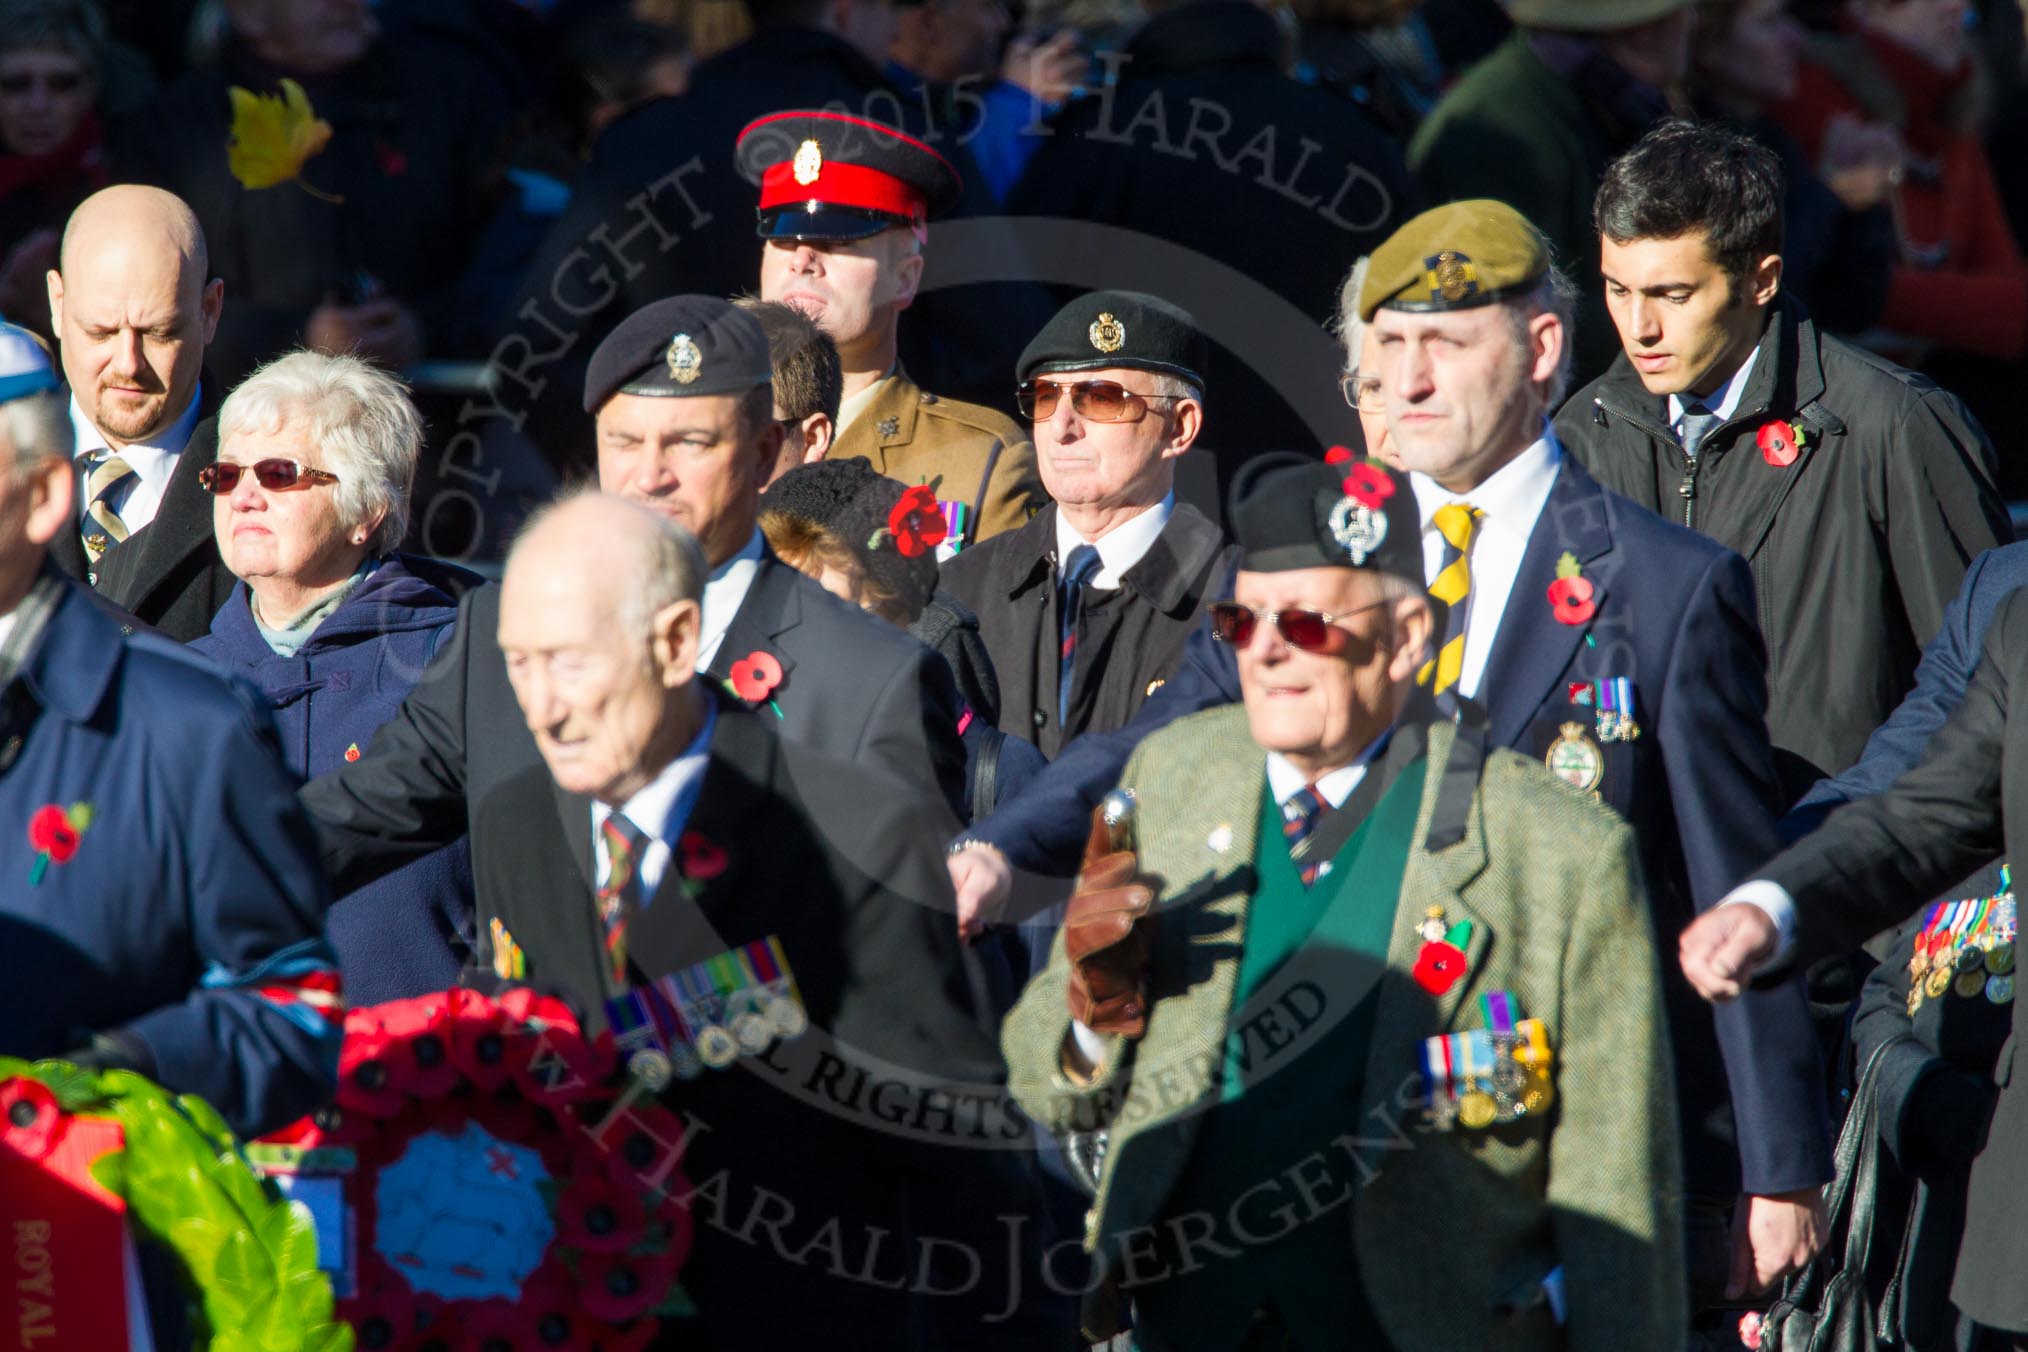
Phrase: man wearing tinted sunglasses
[1246,981]
[1086,608]
[1618,648]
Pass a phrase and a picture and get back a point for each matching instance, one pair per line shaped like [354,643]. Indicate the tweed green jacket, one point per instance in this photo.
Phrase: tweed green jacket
[1446,1226]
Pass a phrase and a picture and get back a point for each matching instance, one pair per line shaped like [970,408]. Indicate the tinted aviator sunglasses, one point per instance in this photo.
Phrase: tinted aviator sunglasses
[274,475]
[1098,400]
[1299,626]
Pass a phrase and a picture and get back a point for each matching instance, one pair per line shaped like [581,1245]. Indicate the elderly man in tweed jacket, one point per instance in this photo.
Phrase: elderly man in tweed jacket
[1363,1024]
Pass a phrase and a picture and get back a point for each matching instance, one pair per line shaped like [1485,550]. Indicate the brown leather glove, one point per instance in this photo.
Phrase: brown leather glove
[1107,935]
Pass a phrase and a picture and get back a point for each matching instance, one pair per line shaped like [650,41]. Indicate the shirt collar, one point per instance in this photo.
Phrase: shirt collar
[1512,498]
[725,591]
[852,405]
[1335,785]
[1724,401]
[1120,548]
[152,460]
[653,807]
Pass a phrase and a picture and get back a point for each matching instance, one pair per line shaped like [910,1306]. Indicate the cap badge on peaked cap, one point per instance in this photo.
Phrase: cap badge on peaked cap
[809,162]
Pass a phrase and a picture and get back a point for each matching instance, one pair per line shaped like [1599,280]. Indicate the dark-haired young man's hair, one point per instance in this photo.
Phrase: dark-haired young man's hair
[1687,178]
[808,376]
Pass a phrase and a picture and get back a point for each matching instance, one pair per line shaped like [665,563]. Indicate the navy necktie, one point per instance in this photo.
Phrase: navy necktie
[1078,569]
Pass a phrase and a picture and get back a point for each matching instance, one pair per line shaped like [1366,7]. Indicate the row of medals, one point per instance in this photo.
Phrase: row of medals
[1982,968]
[1513,1091]
[718,1045]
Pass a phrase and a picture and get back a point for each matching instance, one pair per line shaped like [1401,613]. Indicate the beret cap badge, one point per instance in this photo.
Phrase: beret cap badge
[683,358]
[1451,275]
[1107,333]
[1360,530]
[809,162]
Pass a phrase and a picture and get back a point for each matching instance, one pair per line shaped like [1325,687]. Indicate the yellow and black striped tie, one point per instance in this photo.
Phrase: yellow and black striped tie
[1457,522]
[104,527]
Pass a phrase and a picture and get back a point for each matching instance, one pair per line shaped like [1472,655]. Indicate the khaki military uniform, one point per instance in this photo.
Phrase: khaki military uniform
[968,453]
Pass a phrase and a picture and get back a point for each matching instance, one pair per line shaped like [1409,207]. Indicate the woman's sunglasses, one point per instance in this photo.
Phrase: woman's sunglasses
[1299,626]
[274,475]
[1098,400]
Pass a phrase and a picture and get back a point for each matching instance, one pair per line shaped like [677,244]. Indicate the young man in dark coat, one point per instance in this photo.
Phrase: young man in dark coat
[667,827]
[1856,490]
[1084,610]
[682,397]
[134,305]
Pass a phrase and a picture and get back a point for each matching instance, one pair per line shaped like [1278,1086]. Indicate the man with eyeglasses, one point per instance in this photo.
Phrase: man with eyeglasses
[1085,609]
[1321,993]
[1619,649]
[844,211]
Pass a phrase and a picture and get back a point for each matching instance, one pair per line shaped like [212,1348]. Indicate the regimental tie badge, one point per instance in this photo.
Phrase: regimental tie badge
[1451,275]
[808,164]
[685,361]
[1358,529]
[1108,334]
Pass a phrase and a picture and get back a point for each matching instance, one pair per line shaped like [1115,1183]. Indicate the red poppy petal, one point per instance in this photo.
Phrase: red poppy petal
[1337,455]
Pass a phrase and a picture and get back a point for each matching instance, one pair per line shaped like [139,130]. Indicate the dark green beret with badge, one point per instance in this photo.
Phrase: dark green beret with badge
[1290,511]
[1455,257]
[1109,329]
[680,348]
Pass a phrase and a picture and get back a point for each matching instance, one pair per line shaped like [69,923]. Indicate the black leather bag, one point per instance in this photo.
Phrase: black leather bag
[1827,1306]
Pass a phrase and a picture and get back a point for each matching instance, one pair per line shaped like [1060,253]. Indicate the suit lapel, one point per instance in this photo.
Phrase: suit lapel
[573,813]
[1532,648]
[771,608]
[1407,1013]
[130,573]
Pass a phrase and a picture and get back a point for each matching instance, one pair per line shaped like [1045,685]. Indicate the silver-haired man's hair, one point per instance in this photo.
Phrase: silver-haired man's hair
[669,566]
[1556,295]
[360,419]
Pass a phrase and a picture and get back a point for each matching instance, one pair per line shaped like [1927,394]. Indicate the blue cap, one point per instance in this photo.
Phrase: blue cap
[24,364]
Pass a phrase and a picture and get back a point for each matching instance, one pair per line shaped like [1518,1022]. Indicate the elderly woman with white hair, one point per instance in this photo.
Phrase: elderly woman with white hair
[316,461]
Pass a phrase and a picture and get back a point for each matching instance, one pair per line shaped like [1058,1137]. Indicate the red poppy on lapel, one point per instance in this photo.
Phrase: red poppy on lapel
[699,857]
[1779,444]
[1570,596]
[755,676]
[1369,485]
[1338,455]
[1438,966]
[54,833]
[917,523]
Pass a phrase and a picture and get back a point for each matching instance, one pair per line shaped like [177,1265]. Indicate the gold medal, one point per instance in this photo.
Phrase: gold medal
[1477,1109]
[2000,989]
[1969,984]
[2000,957]
[1938,982]
[1575,759]
[1538,1094]
[652,1068]
[716,1047]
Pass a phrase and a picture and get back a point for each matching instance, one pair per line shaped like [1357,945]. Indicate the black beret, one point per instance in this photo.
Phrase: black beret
[1117,328]
[854,501]
[1293,511]
[832,176]
[682,347]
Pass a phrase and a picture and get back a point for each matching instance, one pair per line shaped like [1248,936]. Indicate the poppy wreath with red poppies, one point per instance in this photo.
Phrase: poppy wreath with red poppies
[521,1070]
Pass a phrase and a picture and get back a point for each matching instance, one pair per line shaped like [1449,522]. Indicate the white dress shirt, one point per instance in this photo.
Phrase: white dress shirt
[1120,548]
[724,593]
[1512,501]
[137,499]
[1724,400]
[660,810]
